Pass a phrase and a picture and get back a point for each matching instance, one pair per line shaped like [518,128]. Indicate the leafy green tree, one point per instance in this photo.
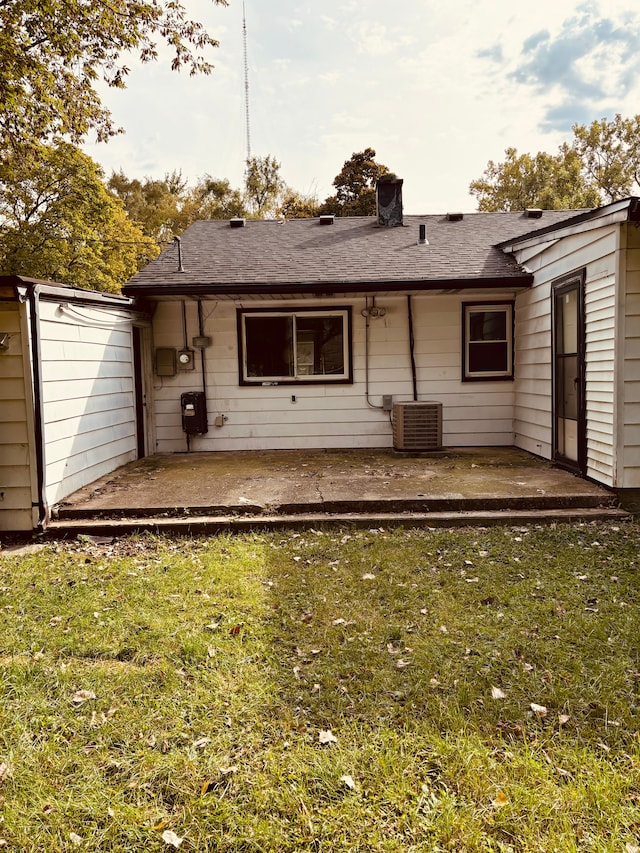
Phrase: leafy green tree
[154,205]
[294,205]
[600,165]
[610,155]
[356,186]
[165,208]
[213,198]
[543,180]
[53,52]
[263,186]
[59,222]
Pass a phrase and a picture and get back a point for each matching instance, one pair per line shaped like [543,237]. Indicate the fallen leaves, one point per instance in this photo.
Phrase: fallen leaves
[326,737]
[170,838]
[82,696]
[500,800]
[540,711]
[348,781]
[5,772]
[497,693]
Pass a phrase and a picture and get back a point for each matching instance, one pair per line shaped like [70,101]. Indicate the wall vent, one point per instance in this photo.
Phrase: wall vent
[417,426]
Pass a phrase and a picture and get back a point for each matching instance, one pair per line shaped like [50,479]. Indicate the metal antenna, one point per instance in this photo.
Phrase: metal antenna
[246,81]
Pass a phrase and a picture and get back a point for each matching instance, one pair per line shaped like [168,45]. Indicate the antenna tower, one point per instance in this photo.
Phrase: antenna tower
[246,81]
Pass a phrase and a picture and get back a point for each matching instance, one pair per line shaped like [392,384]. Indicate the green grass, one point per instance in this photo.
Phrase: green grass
[216,663]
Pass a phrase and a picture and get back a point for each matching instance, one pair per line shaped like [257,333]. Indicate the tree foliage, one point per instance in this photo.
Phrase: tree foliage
[53,52]
[356,186]
[263,186]
[59,222]
[600,165]
[164,208]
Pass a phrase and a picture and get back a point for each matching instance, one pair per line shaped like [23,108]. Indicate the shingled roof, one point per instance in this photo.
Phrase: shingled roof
[351,255]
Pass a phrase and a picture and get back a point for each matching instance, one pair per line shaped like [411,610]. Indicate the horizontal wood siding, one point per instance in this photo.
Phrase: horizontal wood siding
[326,415]
[15,433]
[594,251]
[88,395]
[630,473]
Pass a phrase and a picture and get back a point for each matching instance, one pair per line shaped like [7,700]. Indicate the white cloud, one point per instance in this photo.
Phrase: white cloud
[433,87]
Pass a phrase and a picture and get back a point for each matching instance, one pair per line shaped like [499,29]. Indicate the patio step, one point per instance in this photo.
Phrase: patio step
[197,523]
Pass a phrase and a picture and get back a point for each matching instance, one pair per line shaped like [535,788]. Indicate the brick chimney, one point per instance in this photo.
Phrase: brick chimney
[389,200]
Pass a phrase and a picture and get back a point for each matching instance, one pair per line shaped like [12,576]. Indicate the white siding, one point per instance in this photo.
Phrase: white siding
[594,251]
[630,372]
[15,423]
[88,395]
[326,415]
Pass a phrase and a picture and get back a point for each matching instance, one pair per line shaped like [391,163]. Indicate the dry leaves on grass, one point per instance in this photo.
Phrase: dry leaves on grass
[326,737]
[497,693]
[169,837]
[81,696]
[539,710]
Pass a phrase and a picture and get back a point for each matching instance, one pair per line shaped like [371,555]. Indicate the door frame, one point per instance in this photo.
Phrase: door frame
[560,287]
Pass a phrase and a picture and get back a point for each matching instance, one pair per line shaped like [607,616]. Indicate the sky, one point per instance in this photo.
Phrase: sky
[438,89]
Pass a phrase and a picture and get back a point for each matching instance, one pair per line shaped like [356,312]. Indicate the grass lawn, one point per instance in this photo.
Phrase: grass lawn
[468,690]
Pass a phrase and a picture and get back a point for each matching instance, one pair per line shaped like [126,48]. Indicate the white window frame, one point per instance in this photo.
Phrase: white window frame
[468,309]
[299,375]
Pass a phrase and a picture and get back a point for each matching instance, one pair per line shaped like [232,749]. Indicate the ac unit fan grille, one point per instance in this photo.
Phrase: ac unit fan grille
[417,426]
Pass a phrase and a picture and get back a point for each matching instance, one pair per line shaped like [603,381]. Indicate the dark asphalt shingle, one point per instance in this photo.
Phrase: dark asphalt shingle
[353,250]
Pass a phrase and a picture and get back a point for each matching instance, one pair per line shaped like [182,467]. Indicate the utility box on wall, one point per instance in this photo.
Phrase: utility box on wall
[194,412]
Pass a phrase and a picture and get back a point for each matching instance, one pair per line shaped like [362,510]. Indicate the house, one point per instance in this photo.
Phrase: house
[518,329]
[413,332]
[69,412]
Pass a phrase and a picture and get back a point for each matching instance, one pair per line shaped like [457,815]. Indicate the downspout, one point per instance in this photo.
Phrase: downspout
[38,414]
[367,321]
[412,344]
[202,352]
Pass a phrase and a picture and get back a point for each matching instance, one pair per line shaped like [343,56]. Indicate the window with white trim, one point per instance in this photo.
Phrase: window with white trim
[487,340]
[281,347]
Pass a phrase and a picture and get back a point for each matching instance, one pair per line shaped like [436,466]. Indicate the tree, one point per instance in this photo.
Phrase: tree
[164,208]
[356,186]
[263,186]
[59,222]
[610,155]
[154,205]
[52,53]
[600,165]
[543,180]
[294,205]
[213,198]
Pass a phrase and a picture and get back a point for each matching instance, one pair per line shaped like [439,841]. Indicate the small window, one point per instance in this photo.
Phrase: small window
[294,346]
[488,341]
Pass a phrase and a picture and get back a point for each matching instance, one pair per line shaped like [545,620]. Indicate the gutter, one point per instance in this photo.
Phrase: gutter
[341,288]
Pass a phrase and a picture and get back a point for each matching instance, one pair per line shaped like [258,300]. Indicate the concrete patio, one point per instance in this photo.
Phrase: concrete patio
[260,489]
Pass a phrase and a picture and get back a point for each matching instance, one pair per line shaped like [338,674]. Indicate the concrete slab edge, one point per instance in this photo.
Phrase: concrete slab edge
[233,524]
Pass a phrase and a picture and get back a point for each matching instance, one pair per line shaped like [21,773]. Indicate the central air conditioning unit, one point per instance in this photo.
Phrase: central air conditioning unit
[417,426]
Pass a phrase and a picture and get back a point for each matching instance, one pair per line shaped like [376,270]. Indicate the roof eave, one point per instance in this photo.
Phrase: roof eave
[330,288]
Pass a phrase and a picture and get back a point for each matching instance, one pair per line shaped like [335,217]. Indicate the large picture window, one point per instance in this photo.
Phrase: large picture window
[488,341]
[294,346]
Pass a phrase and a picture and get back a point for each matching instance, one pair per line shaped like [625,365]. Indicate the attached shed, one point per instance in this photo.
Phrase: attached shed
[70,407]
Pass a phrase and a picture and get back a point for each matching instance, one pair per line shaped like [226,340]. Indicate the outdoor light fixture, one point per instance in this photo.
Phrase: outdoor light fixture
[4,341]
[373,310]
